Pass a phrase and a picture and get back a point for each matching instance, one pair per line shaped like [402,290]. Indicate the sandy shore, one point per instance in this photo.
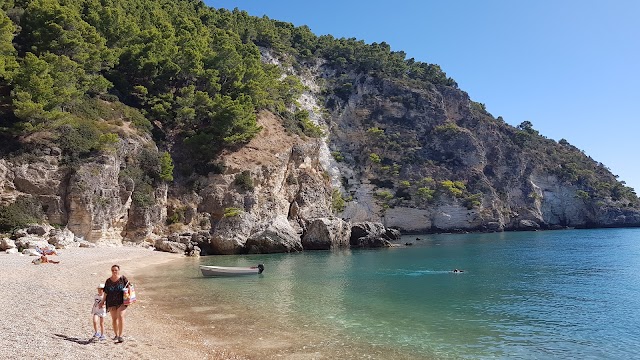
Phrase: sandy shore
[46,310]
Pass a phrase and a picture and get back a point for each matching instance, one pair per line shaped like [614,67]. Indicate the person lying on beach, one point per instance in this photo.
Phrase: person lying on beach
[43,259]
[46,251]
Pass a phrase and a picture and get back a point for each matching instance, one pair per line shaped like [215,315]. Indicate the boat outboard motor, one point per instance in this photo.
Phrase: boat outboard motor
[260,268]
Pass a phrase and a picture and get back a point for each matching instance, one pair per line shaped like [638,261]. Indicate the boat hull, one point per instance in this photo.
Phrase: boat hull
[229,270]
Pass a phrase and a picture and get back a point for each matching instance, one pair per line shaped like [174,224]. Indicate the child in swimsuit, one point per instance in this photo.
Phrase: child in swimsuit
[99,312]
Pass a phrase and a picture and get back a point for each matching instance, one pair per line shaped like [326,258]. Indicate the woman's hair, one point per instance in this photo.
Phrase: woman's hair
[115,266]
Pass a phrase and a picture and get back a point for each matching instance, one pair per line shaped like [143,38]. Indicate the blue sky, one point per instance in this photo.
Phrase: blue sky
[570,67]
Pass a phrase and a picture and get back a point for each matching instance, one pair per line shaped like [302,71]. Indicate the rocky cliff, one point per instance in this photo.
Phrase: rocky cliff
[276,192]
[282,141]
[402,148]
[274,196]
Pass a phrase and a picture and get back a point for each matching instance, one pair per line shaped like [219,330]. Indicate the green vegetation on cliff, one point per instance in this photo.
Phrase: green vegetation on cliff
[61,61]
[78,75]
[194,71]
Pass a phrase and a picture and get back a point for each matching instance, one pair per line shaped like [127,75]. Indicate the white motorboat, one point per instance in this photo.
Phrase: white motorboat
[231,270]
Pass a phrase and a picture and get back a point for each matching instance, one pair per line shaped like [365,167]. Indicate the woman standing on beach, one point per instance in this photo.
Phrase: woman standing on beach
[114,288]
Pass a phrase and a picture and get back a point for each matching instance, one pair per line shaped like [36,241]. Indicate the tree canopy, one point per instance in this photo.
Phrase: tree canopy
[193,70]
[185,72]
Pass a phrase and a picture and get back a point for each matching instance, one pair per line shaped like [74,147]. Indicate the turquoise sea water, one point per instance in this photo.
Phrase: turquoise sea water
[526,295]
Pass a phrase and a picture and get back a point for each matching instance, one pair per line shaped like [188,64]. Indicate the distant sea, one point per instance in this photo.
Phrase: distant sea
[566,294]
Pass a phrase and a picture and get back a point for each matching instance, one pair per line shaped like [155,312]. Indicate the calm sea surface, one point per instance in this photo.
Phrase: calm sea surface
[526,295]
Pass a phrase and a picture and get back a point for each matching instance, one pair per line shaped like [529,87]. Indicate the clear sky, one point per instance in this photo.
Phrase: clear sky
[570,67]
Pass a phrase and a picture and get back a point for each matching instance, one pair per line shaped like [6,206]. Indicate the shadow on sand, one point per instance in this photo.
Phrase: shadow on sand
[76,340]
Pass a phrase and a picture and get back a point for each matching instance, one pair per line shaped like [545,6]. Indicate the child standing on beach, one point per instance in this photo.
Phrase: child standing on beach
[99,312]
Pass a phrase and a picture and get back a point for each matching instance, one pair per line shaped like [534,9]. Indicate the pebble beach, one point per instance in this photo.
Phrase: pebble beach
[46,310]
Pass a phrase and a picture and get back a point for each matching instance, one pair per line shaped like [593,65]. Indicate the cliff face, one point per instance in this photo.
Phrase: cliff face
[215,132]
[414,159]
[286,182]
[399,144]
[284,187]
[90,198]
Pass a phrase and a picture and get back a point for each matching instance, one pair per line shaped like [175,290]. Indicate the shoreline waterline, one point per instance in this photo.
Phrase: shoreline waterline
[522,296]
[231,320]
[519,297]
